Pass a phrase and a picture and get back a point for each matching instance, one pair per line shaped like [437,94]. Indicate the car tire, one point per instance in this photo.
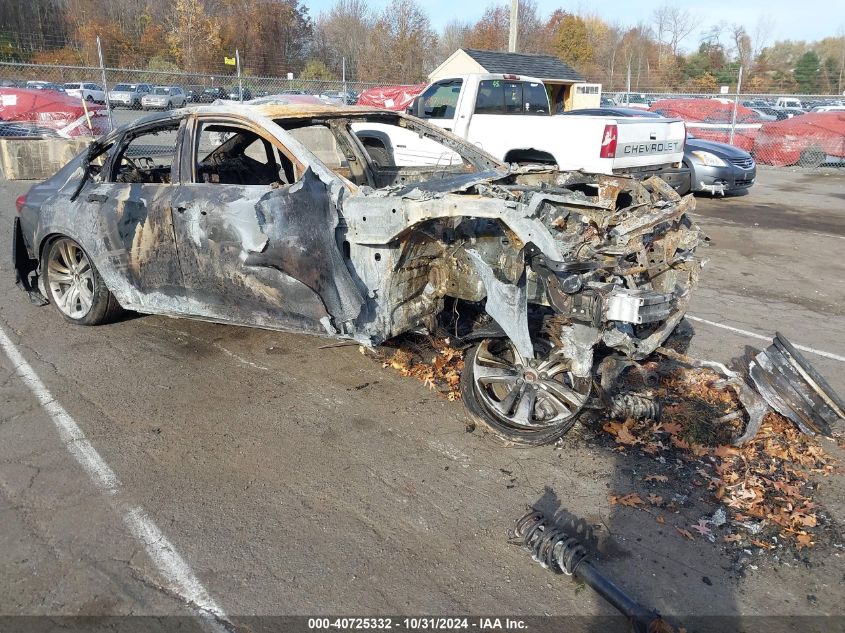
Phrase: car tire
[812,157]
[477,403]
[74,286]
[89,99]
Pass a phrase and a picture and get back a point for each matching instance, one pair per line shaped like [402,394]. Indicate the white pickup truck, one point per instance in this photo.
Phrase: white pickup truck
[510,117]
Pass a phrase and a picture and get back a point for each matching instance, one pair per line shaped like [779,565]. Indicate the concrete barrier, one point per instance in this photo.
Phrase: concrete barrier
[37,158]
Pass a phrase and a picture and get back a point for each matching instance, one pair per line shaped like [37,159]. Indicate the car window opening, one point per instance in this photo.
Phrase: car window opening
[234,155]
[147,157]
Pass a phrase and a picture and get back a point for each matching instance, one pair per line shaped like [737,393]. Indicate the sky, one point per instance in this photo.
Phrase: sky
[789,19]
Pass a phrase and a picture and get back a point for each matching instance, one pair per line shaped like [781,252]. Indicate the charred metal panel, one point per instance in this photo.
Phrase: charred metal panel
[507,303]
[258,254]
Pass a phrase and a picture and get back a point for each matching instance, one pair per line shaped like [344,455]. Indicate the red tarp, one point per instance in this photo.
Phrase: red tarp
[710,119]
[803,138]
[390,97]
[52,109]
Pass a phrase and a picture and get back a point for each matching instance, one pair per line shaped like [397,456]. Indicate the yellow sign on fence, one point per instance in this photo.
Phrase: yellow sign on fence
[229,61]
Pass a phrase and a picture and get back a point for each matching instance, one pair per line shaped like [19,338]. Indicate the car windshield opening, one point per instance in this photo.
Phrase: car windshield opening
[392,149]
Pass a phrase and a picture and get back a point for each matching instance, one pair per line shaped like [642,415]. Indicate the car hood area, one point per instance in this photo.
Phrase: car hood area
[720,149]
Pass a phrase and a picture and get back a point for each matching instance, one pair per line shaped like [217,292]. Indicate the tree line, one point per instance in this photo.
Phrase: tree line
[665,51]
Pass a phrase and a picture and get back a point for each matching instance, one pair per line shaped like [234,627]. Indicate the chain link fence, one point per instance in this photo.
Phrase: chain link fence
[777,129]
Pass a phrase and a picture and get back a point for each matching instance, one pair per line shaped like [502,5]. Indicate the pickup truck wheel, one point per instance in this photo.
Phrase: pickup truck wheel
[74,286]
[527,402]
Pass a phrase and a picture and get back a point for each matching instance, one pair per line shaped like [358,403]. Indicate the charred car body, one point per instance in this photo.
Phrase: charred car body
[363,225]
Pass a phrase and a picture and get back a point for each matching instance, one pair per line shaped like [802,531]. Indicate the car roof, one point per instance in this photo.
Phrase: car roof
[294,111]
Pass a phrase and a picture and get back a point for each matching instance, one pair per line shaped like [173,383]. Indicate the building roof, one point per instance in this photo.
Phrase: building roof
[540,66]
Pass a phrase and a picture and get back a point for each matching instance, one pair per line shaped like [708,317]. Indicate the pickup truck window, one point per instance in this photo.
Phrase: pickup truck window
[440,99]
[496,96]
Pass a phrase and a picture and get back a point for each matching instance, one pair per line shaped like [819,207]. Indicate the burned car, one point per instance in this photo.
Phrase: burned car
[364,224]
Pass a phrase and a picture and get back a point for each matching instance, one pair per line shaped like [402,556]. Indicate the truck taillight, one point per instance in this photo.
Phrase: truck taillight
[608,142]
[20,202]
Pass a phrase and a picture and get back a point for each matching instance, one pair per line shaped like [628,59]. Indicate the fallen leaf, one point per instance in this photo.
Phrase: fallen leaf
[804,540]
[732,538]
[685,533]
[725,451]
[655,500]
[660,478]
[631,500]
[659,518]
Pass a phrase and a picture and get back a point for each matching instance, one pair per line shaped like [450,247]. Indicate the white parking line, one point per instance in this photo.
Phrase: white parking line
[803,348]
[181,580]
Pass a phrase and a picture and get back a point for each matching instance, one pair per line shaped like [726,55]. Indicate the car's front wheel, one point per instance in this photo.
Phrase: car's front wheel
[528,402]
[74,286]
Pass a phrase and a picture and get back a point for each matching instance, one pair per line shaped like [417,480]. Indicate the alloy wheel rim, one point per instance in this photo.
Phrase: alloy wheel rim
[528,394]
[71,279]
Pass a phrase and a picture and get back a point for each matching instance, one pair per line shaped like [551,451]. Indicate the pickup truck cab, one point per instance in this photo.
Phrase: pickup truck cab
[510,117]
[789,102]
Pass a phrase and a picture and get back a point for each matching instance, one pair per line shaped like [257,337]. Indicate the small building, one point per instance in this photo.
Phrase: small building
[566,86]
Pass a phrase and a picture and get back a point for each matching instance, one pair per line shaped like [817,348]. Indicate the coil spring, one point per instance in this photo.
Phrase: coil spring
[550,546]
[635,406]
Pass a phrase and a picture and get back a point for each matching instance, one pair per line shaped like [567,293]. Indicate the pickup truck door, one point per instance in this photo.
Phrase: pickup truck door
[439,103]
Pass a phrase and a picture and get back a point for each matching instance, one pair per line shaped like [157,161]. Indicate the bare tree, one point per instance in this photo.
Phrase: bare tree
[453,37]
[342,32]
[673,25]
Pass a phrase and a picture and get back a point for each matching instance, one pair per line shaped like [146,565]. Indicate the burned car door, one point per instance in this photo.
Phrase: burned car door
[130,201]
[238,189]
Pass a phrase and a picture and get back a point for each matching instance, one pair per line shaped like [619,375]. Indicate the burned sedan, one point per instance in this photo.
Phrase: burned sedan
[363,224]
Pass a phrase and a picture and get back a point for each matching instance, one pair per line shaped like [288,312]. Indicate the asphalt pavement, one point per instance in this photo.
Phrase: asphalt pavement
[263,473]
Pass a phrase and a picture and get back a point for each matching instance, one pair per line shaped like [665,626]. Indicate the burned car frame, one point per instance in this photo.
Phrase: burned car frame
[363,224]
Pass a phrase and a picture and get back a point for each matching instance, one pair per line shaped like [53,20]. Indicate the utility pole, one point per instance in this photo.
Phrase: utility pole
[514,26]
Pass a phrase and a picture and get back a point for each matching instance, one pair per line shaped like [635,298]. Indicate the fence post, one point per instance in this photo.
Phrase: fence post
[736,103]
[105,84]
[238,69]
[343,67]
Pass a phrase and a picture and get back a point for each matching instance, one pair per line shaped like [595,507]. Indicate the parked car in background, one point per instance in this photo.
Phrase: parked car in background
[88,91]
[164,98]
[348,98]
[210,95]
[809,140]
[829,108]
[789,102]
[128,95]
[789,112]
[714,167]
[633,100]
[718,168]
[192,93]
[235,94]
[769,111]
[764,116]
[44,85]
